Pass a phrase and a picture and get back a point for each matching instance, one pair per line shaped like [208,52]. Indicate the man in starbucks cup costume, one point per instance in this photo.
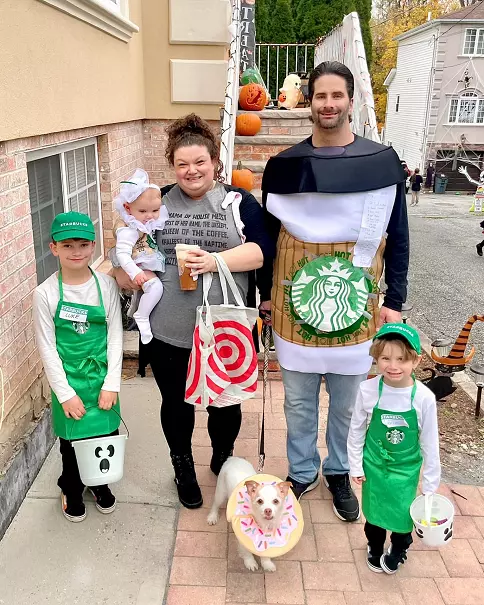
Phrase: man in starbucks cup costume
[336,205]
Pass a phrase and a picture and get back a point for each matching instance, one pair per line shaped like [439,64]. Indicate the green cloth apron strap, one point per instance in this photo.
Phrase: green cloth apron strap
[81,341]
[391,462]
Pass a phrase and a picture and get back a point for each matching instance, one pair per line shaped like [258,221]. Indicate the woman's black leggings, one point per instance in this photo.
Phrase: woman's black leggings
[170,366]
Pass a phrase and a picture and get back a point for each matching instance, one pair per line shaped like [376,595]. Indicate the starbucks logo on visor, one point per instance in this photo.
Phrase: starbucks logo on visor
[395,436]
[330,294]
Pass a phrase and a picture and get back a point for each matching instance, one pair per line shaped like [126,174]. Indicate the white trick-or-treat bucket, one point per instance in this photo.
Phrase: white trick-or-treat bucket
[100,460]
[429,509]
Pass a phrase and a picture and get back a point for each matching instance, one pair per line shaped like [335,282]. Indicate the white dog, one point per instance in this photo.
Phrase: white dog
[267,503]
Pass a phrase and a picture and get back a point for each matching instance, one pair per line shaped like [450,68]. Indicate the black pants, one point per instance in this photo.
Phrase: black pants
[170,367]
[70,480]
[376,537]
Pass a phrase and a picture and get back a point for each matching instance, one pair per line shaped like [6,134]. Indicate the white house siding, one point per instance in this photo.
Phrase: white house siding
[405,129]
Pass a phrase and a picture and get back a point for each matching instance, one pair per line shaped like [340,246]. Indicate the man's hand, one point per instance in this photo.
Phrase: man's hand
[265,312]
[200,261]
[141,279]
[107,399]
[389,316]
[359,480]
[122,279]
[74,408]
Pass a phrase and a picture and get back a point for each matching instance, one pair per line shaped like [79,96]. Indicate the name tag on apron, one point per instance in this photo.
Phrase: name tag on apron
[73,314]
[393,420]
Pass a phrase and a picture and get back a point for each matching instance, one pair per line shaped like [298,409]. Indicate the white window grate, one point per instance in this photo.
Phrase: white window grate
[60,180]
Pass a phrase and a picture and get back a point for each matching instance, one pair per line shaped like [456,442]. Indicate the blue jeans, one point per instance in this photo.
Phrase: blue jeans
[301,407]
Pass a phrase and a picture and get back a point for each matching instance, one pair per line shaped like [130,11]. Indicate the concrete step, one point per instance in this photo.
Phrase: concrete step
[280,114]
[257,193]
[257,166]
[272,140]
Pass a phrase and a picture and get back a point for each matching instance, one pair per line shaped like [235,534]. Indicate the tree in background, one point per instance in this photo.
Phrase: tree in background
[395,17]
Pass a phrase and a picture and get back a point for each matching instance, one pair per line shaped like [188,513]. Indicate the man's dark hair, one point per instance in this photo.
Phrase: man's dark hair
[334,68]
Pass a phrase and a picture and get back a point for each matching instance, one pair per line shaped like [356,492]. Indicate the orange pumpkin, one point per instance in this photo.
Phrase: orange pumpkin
[243,178]
[252,97]
[248,124]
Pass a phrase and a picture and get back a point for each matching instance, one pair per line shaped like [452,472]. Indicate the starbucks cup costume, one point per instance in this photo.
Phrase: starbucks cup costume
[391,457]
[81,340]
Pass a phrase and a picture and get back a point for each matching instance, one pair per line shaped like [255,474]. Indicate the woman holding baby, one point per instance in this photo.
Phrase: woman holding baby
[196,217]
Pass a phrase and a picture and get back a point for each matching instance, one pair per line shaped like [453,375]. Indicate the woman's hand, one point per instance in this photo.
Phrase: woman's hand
[359,480]
[265,312]
[200,261]
[140,279]
[123,280]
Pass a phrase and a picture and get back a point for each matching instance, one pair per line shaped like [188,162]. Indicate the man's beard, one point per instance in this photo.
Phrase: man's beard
[334,123]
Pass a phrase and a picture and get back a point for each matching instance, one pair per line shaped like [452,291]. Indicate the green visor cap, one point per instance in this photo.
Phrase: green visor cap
[72,225]
[405,331]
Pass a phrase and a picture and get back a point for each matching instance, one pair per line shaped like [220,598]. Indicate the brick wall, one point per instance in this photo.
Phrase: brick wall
[122,148]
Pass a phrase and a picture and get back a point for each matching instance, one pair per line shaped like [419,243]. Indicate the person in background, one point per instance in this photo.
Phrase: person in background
[416,181]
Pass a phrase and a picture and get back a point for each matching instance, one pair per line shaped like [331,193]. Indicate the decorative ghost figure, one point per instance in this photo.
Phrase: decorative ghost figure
[479,194]
[291,94]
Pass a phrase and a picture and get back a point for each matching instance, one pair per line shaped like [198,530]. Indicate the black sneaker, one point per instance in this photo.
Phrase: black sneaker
[345,502]
[300,489]
[373,560]
[219,457]
[73,509]
[479,249]
[392,560]
[189,492]
[104,498]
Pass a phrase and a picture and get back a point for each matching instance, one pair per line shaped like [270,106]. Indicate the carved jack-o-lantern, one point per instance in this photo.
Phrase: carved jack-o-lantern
[252,97]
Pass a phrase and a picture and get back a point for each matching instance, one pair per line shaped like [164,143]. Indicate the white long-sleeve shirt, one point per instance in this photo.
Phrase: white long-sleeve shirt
[46,298]
[397,400]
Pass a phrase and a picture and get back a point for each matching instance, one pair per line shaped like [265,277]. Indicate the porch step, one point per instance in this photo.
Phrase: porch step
[269,139]
[257,166]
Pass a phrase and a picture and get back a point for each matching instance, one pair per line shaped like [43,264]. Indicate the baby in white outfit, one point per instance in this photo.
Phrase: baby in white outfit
[141,213]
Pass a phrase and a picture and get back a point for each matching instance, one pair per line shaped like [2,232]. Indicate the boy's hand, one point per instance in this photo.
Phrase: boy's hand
[359,480]
[141,279]
[107,399]
[74,408]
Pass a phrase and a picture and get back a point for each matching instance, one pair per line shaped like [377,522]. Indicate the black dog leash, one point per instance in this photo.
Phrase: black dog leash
[266,341]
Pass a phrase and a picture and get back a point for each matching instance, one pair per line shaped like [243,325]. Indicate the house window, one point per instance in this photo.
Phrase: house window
[474,42]
[60,179]
[397,104]
[468,109]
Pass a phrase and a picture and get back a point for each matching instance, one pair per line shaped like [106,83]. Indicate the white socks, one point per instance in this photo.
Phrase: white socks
[152,293]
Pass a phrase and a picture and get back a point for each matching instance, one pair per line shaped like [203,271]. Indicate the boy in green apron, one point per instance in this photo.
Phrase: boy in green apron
[393,430]
[77,318]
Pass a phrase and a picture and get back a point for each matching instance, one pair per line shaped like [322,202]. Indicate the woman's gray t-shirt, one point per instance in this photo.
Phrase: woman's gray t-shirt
[204,223]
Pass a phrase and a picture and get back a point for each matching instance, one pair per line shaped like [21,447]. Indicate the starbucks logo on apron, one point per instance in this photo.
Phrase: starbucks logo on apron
[81,327]
[330,294]
[395,436]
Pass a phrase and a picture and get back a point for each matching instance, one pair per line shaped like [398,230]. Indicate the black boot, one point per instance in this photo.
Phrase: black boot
[218,459]
[373,560]
[479,249]
[189,492]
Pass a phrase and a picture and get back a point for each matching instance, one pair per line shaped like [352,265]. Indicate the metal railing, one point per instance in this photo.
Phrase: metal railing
[276,61]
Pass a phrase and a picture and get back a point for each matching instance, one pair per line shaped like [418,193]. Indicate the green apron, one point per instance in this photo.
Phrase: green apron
[81,335]
[391,463]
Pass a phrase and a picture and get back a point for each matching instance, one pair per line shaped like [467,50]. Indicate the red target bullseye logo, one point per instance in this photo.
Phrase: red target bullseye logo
[233,361]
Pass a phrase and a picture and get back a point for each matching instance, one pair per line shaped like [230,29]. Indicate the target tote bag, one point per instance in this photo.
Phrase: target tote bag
[223,366]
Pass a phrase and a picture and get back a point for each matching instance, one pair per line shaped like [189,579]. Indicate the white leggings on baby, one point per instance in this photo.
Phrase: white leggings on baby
[152,293]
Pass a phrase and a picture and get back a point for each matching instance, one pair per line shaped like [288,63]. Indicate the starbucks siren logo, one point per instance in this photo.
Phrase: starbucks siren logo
[330,294]
[395,436]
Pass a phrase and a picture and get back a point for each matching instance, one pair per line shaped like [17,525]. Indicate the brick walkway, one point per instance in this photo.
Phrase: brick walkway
[328,566]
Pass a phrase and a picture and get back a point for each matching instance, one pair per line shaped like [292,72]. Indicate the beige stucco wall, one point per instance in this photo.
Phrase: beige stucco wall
[157,55]
[58,73]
